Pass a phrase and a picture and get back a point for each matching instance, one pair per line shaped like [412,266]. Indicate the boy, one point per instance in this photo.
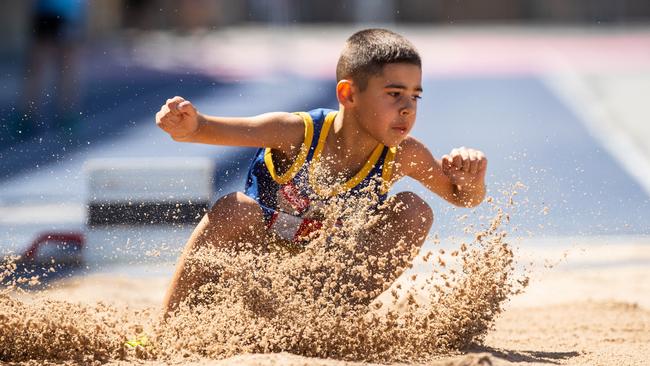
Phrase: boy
[365,141]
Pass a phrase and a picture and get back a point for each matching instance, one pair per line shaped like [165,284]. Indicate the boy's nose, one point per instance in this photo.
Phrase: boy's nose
[407,110]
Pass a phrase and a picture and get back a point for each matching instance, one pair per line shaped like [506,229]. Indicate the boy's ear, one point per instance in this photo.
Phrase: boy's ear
[345,92]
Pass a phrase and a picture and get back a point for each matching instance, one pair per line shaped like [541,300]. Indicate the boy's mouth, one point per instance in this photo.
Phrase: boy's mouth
[399,129]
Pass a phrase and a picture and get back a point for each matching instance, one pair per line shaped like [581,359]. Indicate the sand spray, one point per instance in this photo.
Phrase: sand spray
[334,298]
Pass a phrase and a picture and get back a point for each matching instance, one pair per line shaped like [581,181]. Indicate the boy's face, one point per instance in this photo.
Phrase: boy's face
[387,107]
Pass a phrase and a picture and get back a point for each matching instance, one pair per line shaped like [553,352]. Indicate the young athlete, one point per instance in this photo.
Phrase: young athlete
[363,143]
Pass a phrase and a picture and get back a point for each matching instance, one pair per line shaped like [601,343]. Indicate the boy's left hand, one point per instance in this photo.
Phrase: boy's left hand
[465,167]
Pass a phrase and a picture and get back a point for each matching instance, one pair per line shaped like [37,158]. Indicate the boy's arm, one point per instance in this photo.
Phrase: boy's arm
[281,131]
[458,177]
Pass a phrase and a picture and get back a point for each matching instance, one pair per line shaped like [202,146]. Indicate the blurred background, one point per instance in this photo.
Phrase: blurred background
[555,92]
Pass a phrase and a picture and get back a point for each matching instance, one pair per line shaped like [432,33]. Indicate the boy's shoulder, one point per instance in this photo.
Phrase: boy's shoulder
[411,147]
[319,114]
[410,153]
[299,128]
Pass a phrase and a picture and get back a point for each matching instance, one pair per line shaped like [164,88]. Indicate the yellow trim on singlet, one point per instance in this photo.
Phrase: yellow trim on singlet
[387,170]
[339,188]
[300,159]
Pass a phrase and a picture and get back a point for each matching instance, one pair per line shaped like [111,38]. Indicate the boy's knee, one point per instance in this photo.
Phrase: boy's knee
[227,202]
[234,205]
[415,209]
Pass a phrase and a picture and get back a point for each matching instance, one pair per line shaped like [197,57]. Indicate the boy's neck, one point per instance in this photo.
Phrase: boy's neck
[352,141]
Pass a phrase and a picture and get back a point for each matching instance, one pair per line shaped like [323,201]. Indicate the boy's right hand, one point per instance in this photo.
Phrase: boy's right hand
[178,118]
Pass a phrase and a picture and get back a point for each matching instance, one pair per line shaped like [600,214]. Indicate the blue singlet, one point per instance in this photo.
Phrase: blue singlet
[291,200]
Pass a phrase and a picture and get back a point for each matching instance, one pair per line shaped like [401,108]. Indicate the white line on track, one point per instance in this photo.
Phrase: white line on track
[602,119]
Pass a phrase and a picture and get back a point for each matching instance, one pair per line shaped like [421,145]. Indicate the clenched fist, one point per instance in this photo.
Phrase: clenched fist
[465,167]
[178,118]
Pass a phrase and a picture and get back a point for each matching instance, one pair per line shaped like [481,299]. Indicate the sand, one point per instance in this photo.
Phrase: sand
[591,308]
[488,300]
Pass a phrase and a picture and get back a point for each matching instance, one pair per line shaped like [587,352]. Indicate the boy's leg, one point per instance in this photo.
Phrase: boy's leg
[234,218]
[404,222]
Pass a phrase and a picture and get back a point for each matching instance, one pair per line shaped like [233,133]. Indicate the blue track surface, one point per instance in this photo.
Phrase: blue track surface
[527,133]
[531,137]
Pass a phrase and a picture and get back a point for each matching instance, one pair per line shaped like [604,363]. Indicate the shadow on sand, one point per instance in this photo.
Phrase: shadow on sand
[552,358]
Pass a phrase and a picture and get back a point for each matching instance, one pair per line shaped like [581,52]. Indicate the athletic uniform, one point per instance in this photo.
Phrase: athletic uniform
[292,201]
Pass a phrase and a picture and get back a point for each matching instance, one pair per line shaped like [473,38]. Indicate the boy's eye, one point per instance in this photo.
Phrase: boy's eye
[397,94]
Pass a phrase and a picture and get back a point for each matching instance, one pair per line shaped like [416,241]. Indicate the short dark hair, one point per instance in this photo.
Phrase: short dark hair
[366,53]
